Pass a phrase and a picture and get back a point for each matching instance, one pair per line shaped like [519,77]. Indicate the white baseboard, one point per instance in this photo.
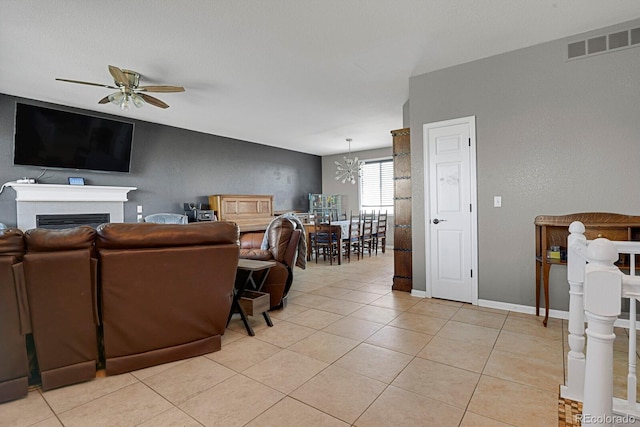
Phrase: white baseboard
[419,294]
[499,305]
[556,314]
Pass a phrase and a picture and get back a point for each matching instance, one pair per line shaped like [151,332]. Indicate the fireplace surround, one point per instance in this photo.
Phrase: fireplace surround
[59,199]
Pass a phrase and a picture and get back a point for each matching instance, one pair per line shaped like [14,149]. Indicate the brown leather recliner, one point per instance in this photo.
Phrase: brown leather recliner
[166,290]
[283,241]
[60,275]
[14,323]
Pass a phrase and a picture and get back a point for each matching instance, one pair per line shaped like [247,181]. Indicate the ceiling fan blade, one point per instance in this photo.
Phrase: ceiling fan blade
[119,76]
[165,89]
[153,101]
[104,100]
[87,83]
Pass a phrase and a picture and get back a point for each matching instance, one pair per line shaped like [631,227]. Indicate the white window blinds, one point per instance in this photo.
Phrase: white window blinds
[376,186]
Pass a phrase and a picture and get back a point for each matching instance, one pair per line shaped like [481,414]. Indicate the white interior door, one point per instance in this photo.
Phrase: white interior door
[450,220]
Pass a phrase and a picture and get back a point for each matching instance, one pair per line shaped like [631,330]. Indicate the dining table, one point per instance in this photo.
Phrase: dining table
[309,228]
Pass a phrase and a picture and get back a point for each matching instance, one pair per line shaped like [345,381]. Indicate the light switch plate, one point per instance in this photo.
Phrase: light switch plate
[497,201]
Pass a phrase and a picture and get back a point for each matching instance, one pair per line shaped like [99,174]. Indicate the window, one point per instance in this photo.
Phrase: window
[376,186]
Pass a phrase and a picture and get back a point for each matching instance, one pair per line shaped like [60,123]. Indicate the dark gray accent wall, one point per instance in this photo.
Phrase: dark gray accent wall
[553,137]
[171,166]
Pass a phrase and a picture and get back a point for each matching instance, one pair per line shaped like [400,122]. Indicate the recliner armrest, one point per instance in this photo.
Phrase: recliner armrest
[256,254]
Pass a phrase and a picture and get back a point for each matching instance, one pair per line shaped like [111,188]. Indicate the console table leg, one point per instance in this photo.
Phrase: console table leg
[547,268]
[538,284]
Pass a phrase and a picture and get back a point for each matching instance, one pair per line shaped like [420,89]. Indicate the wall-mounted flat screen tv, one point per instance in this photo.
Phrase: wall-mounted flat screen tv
[49,138]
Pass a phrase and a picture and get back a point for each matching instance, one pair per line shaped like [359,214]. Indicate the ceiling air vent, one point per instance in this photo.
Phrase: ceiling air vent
[603,43]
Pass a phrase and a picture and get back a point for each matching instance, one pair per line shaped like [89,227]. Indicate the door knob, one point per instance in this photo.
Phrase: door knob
[436,221]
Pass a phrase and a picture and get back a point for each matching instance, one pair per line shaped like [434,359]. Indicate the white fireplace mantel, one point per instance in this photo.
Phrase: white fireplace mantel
[40,199]
[69,193]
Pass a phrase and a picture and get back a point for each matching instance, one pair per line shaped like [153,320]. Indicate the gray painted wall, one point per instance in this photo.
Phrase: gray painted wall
[406,114]
[553,137]
[171,166]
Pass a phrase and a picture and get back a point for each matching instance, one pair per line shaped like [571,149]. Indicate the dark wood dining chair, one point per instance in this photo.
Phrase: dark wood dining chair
[366,238]
[351,244]
[380,234]
[326,241]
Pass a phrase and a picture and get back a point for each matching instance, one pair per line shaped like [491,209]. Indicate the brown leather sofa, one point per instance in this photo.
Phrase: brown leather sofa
[59,272]
[166,290]
[126,295]
[283,241]
[14,324]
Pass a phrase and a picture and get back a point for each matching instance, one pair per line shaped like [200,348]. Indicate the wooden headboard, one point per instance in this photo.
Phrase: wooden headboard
[250,212]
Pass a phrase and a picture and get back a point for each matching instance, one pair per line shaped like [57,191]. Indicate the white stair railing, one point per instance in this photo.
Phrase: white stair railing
[602,303]
[597,287]
[576,263]
[630,290]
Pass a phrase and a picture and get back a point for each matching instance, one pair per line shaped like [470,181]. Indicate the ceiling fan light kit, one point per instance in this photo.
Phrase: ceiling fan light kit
[124,100]
[129,92]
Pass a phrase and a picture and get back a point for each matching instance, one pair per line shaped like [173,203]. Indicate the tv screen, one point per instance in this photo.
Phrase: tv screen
[50,138]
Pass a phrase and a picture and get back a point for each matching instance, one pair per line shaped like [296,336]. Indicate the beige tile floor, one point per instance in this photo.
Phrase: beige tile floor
[345,351]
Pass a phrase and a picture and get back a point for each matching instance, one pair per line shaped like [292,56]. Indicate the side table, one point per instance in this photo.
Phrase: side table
[246,280]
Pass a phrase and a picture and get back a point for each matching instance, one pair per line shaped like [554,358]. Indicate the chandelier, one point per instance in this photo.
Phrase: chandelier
[350,169]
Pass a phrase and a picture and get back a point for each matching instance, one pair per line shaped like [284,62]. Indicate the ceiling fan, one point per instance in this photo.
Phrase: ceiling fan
[126,82]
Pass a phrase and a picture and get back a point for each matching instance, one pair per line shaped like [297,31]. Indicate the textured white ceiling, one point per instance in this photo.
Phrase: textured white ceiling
[298,74]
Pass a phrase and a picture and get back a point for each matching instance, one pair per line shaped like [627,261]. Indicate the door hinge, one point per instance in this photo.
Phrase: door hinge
[469,142]
[471,273]
[470,207]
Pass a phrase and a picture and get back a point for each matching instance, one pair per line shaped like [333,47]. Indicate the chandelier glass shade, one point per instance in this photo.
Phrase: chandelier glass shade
[349,169]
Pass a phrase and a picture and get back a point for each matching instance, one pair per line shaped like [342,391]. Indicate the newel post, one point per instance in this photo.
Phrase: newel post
[576,262]
[602,294]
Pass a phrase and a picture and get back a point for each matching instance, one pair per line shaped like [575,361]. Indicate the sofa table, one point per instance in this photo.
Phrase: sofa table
[246,281]
[554,231]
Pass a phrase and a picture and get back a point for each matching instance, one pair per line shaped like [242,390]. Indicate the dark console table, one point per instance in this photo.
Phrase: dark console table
[554,230]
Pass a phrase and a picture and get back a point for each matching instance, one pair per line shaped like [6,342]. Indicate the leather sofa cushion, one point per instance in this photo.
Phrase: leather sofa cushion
[11,242]
[63,306]
[251,240]
[162,304]
[149,235]
[68,239]
[256,253]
